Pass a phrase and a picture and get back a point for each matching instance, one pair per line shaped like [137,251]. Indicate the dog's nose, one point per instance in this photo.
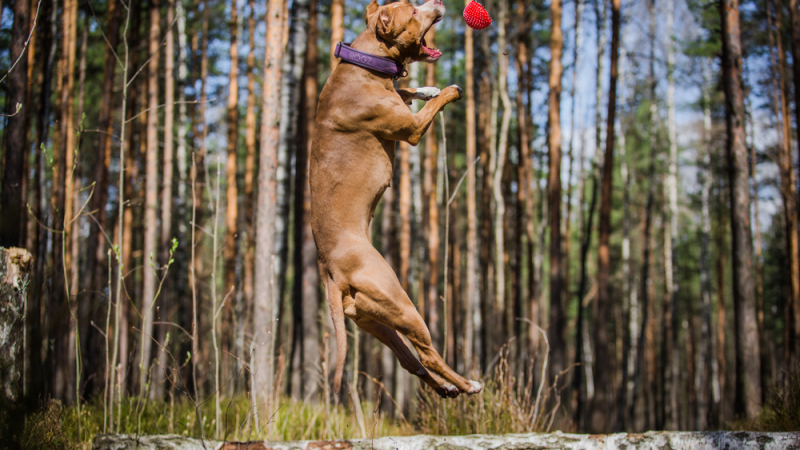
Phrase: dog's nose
[438,2]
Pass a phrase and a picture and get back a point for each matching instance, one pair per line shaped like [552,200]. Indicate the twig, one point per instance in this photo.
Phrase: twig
[24,48]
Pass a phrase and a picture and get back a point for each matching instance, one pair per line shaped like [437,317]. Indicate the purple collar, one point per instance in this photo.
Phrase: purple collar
[370,61]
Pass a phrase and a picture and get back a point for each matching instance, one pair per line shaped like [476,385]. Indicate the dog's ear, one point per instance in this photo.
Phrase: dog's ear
[385,22]
[371,8]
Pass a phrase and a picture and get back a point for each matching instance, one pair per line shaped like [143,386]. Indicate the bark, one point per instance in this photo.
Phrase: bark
[249,176]
[630,302]
[748,364]
[405,213]
[497,180]
[430,211]
[524,176]
[47,30]
[198,176]
[472,294]
[13,195]
[229,319]
[65,193]
[96,244]
[15,267]
[558,312]
[169,134]
[670,256]
[337,29]
[653,439]
[566,277]
[704,418]
[291,87]
[603,372]
[151,201]
[232,209]
[305,248]
[265,301]
[722,406]
[794,17]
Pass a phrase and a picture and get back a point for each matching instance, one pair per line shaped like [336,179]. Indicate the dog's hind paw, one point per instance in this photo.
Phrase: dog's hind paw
[427,93]
[476,387]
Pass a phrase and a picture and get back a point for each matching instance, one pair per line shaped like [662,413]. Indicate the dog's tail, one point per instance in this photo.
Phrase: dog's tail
[334,295]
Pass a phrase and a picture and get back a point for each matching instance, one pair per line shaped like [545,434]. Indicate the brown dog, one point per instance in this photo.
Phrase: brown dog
[360,117]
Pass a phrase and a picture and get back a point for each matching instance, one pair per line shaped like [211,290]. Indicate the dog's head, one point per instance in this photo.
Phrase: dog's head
[402,26]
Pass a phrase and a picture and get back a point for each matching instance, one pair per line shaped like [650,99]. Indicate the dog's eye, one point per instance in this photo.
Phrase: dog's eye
[415,12]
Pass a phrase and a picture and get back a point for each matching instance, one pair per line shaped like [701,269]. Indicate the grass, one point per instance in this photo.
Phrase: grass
[781,411]
[56,427]
[507,405]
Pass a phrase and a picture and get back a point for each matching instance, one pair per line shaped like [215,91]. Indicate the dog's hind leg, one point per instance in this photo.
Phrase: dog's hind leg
[379,296]
[408,361]
[334,296]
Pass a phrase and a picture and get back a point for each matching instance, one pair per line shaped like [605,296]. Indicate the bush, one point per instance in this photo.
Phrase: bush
[781,412]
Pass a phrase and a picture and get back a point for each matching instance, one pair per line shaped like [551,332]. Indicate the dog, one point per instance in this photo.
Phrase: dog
[360,116]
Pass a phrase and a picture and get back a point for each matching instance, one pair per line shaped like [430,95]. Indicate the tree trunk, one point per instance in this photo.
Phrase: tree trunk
[430,211]
[305,249]
[15,266]
[558,313]
[229,317]
[245,325]
[337,29]
[679,441]
[13,196]
[524,177]
[265,302]
[566,277]
[292,69]
[670,256]
[705,407]
[472,294]
[603,372]
[748,365]
[198,176]
[232,209]
[794,17]
[630,302]
[96,244]
[151,200]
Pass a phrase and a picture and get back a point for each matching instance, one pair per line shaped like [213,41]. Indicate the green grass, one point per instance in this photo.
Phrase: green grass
[56,426]
[781,411]
[506,405]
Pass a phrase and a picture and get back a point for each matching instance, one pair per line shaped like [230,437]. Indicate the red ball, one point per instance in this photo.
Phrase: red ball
[476,16]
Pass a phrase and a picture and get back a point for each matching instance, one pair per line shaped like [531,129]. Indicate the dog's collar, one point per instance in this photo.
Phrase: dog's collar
[370,61]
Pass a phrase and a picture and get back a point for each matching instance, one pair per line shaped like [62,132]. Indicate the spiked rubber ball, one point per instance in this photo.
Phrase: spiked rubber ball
[476,16]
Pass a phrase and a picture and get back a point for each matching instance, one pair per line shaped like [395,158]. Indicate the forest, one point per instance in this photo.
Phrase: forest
[604,230]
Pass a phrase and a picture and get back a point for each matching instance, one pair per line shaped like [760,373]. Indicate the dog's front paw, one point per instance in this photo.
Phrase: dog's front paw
[427,93]
[476,387]
[448,391]
[457,92]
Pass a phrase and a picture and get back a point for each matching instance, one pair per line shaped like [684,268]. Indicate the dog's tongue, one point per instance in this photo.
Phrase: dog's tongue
[432,52]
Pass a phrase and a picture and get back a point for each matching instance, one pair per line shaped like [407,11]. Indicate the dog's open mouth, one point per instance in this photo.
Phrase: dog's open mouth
[433,54]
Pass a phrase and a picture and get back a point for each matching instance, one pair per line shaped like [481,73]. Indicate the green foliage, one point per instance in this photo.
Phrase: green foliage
[781,412]
[56,427]
[506,405]
[47,428]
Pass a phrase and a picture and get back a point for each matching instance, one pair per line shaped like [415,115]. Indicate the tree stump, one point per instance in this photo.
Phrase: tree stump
[730,440]
[14,266]
[15,263]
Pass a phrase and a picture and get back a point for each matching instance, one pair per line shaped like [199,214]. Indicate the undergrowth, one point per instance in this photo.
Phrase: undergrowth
[507,405]
[781,411]
[56,426]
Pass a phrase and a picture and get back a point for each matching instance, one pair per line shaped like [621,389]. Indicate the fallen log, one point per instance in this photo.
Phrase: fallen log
[729,440]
